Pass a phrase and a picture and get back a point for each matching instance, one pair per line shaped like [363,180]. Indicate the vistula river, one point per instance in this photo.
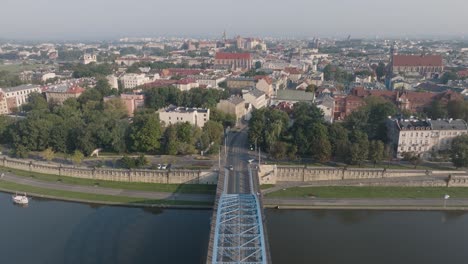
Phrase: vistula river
[56,232]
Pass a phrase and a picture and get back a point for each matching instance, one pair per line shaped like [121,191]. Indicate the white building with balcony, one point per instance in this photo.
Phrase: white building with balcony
[424,136]
[195,116]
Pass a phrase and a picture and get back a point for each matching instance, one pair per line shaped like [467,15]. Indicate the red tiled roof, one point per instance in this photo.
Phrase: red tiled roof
[292,70]
[266,78]
[417,60]
[160,83]
[462,74]
[75,90]
[186,81]
[232,56]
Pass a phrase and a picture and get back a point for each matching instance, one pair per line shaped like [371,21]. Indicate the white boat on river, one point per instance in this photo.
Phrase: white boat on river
[20,199]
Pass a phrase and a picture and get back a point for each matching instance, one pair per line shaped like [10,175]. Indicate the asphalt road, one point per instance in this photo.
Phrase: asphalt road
[108,191]
[237,156]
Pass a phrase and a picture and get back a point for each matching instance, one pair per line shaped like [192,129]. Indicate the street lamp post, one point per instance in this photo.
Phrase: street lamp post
[446,197]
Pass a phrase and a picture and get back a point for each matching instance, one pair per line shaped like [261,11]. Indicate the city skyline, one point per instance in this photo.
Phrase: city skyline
[103,20]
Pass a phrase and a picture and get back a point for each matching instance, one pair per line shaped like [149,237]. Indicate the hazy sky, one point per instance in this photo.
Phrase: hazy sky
[104,19]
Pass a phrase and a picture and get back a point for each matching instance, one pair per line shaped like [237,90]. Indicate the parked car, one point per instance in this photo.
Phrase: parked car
[163,167]
[231,167]
[159,166]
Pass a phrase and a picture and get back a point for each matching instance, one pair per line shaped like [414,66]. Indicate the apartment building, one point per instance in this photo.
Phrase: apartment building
[17,96]
[423,136]
[61,92]
[132,80]
[195,116]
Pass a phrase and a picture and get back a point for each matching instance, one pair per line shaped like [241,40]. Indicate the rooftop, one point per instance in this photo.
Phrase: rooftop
[172,109]
[439,124]
[417,60]
[294,95]
[232,56]
[20,88]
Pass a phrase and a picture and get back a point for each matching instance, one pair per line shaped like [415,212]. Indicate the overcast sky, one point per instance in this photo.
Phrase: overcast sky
[107,19]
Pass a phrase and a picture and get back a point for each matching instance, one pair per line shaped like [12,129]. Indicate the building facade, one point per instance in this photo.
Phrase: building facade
[425,65]
[195,116]
[423,137]
[61,92]
[89,58]
[256,98]
[132,102]
[240,82]
[17,96]
[233,60]
[3,104]
[132,80]
[236,106]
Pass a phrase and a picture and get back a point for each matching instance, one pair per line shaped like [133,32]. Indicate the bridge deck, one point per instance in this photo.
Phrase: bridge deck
[238,233]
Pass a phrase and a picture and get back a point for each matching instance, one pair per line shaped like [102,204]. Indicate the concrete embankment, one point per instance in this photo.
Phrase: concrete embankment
[367,204]
[161,205]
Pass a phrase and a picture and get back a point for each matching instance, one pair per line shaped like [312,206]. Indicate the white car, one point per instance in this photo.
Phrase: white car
[159,166]
[163,167]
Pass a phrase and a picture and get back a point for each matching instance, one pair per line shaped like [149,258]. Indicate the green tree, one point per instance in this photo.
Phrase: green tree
[458,109]
[450,75]
[36,102]
[359,147]
[311,88]
[258,65]
[77,157]
[380,71]
[436,110]
[279,150]
[459,151]
[48,154]
[376,151]
[320,146]
[339,140]
[145,133]
[413,158]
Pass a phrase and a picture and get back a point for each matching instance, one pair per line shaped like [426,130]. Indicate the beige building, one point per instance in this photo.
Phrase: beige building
[236,106]
[17,96]
[240,82]
[424,136]
[256,98]
[132,102]
[195,116]
[113,81]
[265,85]
[88,58]
[132,80]
[3,104]
[61,92]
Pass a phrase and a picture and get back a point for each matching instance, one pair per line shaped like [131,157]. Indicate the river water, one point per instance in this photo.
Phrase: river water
[55,232]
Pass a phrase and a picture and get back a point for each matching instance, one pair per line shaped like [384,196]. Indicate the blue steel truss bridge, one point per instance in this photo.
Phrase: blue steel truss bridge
[238,233]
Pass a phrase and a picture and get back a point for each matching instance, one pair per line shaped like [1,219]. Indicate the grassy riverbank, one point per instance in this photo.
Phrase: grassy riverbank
[88,197]
[370,192]
[154,187]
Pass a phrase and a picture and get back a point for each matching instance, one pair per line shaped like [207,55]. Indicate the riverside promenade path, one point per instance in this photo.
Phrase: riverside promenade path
[9,177]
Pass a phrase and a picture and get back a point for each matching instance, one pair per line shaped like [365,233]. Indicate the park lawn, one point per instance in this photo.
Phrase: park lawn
[14,187]
[370,192]
[266,186]
[17,68]
[153,187]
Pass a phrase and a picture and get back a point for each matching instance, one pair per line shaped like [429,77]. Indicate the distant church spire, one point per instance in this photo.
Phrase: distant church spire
[224,35]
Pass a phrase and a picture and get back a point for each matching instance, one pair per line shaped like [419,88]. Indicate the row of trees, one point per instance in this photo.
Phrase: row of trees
[361,137]
[156,98]
[88,122]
